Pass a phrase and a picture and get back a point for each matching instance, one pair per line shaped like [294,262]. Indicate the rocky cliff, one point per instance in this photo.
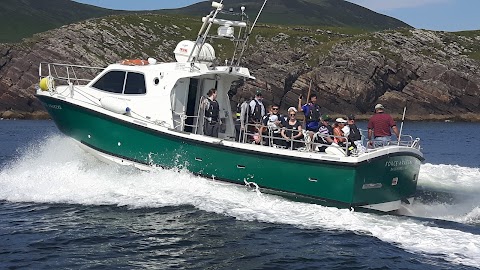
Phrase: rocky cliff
[436,74]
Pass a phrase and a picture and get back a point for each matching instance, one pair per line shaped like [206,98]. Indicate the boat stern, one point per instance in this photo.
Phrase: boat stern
[387,181]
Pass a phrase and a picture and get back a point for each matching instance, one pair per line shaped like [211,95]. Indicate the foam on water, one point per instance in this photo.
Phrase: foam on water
[459,188]
[449,178]
[59,172]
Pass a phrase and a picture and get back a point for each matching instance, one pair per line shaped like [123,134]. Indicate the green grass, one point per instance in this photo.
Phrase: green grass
[466,39]
[20,19]
[27,17]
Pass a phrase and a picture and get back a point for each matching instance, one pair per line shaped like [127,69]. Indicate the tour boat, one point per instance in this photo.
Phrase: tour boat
[148,114]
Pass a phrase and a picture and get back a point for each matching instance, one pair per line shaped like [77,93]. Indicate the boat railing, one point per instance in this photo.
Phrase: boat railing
[404,140]
[72,74]
[180,122]
[266,136]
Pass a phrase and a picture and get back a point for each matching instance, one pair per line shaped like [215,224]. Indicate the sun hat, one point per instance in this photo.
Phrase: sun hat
[379,106]
[340,120]
[326,117]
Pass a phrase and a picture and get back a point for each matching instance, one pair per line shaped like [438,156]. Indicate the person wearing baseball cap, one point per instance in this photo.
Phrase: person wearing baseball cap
[257,109]
[379,126]
[324,133]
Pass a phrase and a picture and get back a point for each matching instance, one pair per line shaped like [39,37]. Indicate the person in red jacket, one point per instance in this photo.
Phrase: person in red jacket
[379,127]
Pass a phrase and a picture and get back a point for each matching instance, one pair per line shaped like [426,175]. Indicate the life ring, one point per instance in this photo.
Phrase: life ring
[134,62]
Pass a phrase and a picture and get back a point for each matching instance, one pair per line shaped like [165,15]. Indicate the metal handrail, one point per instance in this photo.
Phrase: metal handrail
[405,140]
[182,123]
[247,134]
[408,142]
[67,72]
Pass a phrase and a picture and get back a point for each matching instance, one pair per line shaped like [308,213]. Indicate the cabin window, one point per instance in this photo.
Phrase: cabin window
[112,81]
[135,83]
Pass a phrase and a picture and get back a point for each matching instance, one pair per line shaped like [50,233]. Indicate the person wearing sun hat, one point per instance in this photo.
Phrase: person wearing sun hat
[292,131]
[379,126]
[339,132]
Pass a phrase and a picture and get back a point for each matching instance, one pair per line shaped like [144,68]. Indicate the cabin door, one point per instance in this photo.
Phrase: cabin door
[191,105]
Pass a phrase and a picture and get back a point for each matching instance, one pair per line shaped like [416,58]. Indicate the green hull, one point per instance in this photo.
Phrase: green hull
[382,179]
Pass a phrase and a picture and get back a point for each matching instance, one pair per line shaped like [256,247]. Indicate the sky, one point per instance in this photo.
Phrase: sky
[442,15]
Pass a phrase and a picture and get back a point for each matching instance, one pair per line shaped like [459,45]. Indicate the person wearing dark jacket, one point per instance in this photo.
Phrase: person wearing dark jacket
[311,110]
[212,111]
[354,134]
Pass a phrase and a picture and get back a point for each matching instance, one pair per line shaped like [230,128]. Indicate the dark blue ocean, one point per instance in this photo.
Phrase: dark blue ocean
[60,208]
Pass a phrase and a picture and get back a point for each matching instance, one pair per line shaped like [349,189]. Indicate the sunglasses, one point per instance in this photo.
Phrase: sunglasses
[274,109]
[292,114]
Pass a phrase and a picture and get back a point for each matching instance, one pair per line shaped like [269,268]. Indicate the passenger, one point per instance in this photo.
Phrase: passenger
[354,136]
[283,119]
[311,110]
[255,113]
[288,133]
[324,134]
[242,117]
[339,131]
[272,124]
[212,110]
[379,127]
[256,137]
[257,109]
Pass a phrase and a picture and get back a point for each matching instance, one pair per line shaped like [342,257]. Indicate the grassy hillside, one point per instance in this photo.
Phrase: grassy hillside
[335,13]
[23,18]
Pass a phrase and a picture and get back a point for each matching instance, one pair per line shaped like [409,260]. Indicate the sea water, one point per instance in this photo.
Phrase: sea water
[62,208]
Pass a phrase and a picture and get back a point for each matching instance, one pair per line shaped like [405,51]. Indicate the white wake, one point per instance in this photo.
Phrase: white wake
[59,172]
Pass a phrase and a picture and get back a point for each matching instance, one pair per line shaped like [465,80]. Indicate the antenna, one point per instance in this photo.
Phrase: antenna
[401,125]
[250,32]
[201,38]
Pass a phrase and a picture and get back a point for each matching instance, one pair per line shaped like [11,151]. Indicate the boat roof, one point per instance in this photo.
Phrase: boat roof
[195,69]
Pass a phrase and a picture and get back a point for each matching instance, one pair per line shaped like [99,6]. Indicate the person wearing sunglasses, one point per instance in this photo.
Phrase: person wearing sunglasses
[272,124]
[339,131]
[292,130]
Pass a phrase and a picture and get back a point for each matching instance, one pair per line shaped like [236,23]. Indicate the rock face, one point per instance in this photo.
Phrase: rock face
[429,72]
[435,74]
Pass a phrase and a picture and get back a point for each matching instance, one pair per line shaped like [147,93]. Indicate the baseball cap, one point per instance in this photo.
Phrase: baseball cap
[379,106]
[351,117]
[326,117]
